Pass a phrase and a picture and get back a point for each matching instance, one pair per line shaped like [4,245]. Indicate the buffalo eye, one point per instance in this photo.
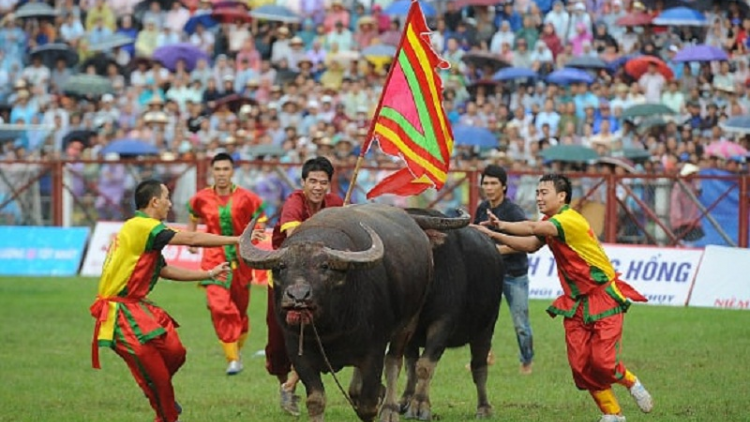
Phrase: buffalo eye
[281,266]
[325,266]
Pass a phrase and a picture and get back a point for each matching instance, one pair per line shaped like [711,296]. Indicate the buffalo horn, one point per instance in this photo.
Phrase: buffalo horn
[442,223]
[255,257]
[346,260]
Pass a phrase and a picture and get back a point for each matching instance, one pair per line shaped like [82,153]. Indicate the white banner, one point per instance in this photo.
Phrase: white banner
[722,280]
[105,231]
[663,275]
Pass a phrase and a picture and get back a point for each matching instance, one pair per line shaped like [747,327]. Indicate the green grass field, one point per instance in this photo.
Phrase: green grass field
[694,362]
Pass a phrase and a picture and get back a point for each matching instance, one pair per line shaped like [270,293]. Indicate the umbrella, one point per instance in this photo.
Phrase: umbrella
[700,53]
[35,10]
[266,150]
[131,147]
[234,101]
[638,66]
[276,13]
[587,62]
[379,50]
[82,136]
[635,154]
[651,122]
[724,148]
[401,8]
[620,61]
[569,153]
[511,73]
[85,85]
[569,75]
[204,19]
[111,41]
[474,136]
[227,15]
[646,109]
[681,16]
[482,60]
[51,53]
[169,55]
[618,161]
[737,124]
[100,62]
[635,19]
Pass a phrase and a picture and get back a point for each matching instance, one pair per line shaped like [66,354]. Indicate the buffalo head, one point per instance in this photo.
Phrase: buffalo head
[303,273]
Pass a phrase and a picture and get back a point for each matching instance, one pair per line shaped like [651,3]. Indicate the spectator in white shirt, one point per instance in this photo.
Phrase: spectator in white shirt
[72,30]
[203,39]
[652,83]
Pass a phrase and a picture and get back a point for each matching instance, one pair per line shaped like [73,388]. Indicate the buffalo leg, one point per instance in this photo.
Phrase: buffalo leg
[435,343]
[480,348]
[316,395]
[370,395]
[355,386]
[412,354]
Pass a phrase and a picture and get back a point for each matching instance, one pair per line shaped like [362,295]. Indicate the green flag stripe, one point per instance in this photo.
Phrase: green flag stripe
[430,147]
[419,101]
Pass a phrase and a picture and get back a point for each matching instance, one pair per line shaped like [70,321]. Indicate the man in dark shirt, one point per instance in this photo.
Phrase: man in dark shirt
[516,284]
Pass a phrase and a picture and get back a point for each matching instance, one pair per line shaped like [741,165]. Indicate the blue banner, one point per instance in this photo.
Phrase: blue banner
[725,212]
[41,251]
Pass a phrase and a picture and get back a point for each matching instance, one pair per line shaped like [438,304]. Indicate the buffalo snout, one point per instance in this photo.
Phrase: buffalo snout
[298,294]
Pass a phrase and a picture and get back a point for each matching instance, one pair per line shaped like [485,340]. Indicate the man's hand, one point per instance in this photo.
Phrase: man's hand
[220,271]
[482,228]
[492,220]
[193,249]
[258,235]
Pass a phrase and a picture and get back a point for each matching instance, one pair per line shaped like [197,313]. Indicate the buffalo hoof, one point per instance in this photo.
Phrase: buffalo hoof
[389,413]
[484,412]
[419,409]
[403,404]
[317,418]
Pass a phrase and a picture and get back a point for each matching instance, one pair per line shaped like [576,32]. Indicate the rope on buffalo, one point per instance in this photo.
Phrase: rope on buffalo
[325,358]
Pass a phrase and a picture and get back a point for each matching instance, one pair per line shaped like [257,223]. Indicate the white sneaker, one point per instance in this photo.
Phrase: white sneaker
[612,418]
[642,397]
[234,368]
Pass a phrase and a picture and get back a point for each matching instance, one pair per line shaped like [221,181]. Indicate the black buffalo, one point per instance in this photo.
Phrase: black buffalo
[461,308]
[359,276]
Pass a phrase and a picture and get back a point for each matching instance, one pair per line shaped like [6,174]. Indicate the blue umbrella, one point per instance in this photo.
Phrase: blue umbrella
[681,16]
[736,124]
[276,13]
[205,19]
[510,73]
[569,75]
[169,55]
[401,8]
[619,62]
[130,147]
[379,50]
[700,53]
[112,41]
[474,136]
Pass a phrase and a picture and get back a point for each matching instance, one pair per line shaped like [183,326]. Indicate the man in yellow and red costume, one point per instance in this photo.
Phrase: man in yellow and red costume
[594,300]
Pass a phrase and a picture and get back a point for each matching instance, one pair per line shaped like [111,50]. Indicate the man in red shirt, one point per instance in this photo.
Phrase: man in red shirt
[298,207]
[226,209]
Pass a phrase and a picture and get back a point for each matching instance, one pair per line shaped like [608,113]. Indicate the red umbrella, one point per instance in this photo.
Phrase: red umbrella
[635,19]
[638,66]
[234,102]
[230,15]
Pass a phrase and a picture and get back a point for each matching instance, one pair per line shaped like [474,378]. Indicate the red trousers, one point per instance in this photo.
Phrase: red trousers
[593,350]
[228,307]
[153,364]
[277,359]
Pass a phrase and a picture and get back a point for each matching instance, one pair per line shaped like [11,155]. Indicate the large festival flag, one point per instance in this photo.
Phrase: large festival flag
[410,121]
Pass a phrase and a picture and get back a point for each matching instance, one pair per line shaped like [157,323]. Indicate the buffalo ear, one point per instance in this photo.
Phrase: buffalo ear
[436,237]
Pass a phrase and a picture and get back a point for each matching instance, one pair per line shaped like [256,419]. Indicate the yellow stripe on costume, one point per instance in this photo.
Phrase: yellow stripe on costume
[290,225]
[269,280]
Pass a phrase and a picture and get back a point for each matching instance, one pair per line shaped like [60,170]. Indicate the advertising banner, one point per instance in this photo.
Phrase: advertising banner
[722,280]
[41,251]
[663,275]
[176,255]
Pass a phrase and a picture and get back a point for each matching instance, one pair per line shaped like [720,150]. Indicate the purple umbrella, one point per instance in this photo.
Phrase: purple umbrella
[700,53]
[169,55]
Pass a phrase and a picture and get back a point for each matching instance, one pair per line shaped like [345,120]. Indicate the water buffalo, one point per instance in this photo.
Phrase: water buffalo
[461,308]
[358,275]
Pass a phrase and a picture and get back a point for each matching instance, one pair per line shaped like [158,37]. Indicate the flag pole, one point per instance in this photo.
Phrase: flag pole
[371,129]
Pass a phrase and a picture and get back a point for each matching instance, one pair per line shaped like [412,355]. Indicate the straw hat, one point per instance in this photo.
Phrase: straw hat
[688,169]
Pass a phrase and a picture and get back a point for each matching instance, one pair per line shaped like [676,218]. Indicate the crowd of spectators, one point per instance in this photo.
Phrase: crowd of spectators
[288,86]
